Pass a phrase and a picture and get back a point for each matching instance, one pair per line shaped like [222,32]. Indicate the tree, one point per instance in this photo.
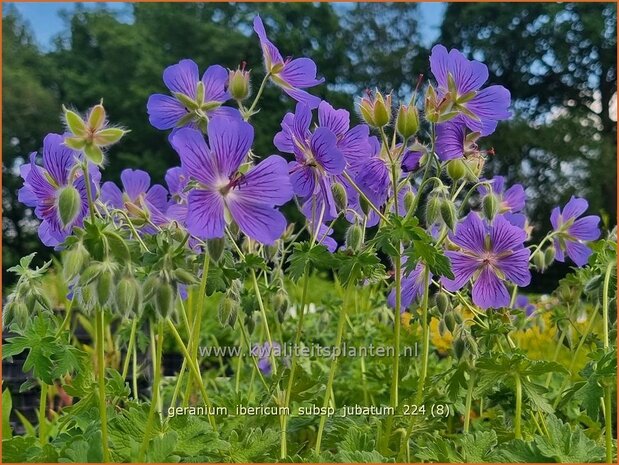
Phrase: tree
[559,62]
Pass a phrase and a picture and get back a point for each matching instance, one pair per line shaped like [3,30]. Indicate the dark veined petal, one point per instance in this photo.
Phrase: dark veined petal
[485,126]
[491,103]
[302,96]
[504,236]
[301,122]
[489,291]
[574,208]
[164,112]
[439,64]
[206,219]
[585,228]
[230,142]
[224,112]
[215,79]
[336,120]
[283,139]
[516,267]
[355,145]
[135,182]
[555,218]
[270,53]
[58,159]
[559,255]
[40,186]
[463,267]
[470,233]
[258,221]
[324,148]
[195,157]
[468,75]
[579,253]
[182,77]
[303,179]
[176,179]
[157,196]
[514,198]
[268,181]
[112,195]
[450,140]
[410,160]
[301,73]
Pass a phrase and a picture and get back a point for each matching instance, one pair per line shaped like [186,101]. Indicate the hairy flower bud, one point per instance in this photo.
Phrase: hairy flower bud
[216,248]
[450,321]
[354,237]
[339,195]
[164,299]
[407,121]
[490,205]
[376,110]
[281,303]
[549,256]
[409,198]
[105,285]
[69,204]
[228,311]
[73,261]
[458,347]
[184,277]
[239,83]
[442,327]
[433,209]
[539,261]
[448,213]
[456,169]
[128,296]
[442,303]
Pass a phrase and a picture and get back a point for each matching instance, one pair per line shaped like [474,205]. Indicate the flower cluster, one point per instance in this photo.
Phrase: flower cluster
[333,169]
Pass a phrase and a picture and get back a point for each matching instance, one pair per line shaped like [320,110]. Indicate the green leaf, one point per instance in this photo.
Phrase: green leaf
[117,246]
[306,257]
[161,448]
[358,266]
[7,406]
[564,444]
[478,447]
[518,451]
[435,259]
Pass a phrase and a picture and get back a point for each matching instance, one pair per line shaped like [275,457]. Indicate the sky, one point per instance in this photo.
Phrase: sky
[46,22]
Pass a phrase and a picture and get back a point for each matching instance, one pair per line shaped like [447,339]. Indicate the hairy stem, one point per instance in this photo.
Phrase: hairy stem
[517,419]
[134,326]
[43,414]
[155,395]
[100,346]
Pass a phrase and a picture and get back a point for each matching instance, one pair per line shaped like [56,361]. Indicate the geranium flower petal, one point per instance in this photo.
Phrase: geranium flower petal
[470,233]
[230,142]
[135,182]
[300,72]
[516,267]
[504,236]
[463,267]
[164,112]
[585,228]
[489,291]
[206,220]
[258,221]
[323,145]
[268,181]
[579,253]
[215,79]
[194,154]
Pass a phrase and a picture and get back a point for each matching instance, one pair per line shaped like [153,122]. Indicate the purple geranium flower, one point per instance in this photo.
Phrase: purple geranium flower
[194,101]
[249,199]
[177,181]
[511,200]
[137,196]
[522,303]
[490,255]
[413,286]
[570,231]
[450,140]
[291,75]
[317,158]
[44,185]
[461,80]
[263,352]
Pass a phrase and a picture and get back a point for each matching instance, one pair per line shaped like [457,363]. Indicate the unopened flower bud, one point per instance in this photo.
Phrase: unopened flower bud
[549,256]
[450,321]
[458,347]
[164,299]
[216,248]
[407,121]
[228,311]
[442,302]
[73,261]
[490,205]
[184,277]
[376,110]
[238,83]
[409,198]
[448,213]
[539,261]
[128,296]
[15,313]
[442,327]
[105,285]
[433,209]
[90,274]
[69,204]
[339,195]
[354,237]
[456,169]
[365,205]
[474,166]
[281,303]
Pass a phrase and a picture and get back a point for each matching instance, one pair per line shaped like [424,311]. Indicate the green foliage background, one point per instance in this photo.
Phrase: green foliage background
[558,60]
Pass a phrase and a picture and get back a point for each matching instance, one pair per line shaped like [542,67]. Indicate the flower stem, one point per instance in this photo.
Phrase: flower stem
[155,394]
[100,346]
[293,362]
[91,203]
[193,367]
[134,326]
[517,419]
[258,95]
[608,415]
[364,197]
[338,344]
[42,414]
[469,398]
[266,321]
